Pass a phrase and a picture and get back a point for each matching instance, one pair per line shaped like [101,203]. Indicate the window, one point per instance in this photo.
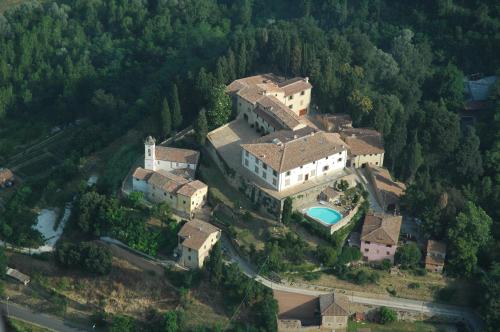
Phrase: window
[302,93]
[256,169]
[287,173]
[171,197]
[158,162]
[264,174]
[275,173]
[326,158]
[264,165]
[302,166]
[192,203]
[164,194]
[367,242]
[183,202]
[388,245]
[290,106]
[340,159]
[246,153]
[290,97]
[274,182]
[287,182]
[246,162]
[314,162]
[325,168]
[366,249]
[149,152]
[189,257]
[189,249]
[388,253]
[376,163]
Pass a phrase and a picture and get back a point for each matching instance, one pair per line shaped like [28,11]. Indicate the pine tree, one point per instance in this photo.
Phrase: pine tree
[166,118]
[215,264]
[176,108]
[242,59]
[201,127]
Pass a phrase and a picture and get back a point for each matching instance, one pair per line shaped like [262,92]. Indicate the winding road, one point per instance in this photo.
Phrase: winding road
[457,313]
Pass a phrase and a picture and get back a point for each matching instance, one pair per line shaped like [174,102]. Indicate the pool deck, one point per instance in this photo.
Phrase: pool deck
[346,218]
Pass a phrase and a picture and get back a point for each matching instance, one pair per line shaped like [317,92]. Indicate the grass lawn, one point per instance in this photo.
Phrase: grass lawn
[20,326]
[402,327]
[429,286]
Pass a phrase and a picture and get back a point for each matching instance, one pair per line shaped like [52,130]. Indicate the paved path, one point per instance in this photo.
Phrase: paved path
[43,320]
[429,308]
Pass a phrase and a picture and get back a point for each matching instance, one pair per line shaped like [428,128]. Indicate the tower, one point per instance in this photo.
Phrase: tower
[149,154]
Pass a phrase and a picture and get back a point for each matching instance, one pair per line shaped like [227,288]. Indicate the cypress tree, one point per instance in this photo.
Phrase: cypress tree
[176,108]
[201,127]
[166,118]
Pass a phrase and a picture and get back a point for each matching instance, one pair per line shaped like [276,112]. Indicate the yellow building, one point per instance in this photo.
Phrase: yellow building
[196,239]
[183,195]
[365,146]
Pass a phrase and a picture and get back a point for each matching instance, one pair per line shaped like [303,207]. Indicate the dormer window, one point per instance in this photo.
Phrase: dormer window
[149,152]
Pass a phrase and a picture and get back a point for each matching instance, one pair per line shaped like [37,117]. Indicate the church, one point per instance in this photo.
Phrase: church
[168,176]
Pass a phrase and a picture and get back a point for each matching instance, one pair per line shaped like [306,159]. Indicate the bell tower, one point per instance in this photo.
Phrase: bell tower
[149,154]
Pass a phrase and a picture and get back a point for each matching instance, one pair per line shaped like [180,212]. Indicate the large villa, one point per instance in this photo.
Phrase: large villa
[274,149]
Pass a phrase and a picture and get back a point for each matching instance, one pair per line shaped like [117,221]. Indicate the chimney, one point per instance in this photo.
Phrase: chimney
[306,79]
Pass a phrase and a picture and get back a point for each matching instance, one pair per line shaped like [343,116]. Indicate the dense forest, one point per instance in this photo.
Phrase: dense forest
[395,66]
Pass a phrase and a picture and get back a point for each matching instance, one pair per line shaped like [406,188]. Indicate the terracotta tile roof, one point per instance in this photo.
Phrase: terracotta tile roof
[5,175]
[282,114]
[436,246]
[436,253]
[191,188]
[186,173]
[295,85]
[330,193]
[381,228]
[284,156]
[363,141]
[253,80]
[142,174]
[196,232]
[333,305]
[335,122]
[389,190]
[177,155]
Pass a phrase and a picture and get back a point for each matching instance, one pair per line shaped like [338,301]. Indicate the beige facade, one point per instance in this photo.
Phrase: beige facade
[376,159]
[184,196]
[334,322]
[196,239]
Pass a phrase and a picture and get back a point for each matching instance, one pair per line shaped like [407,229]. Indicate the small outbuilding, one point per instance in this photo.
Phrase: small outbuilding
[15,274]
[436,254]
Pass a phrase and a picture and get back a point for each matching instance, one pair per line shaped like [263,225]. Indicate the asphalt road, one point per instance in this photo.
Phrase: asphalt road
[46,321]
[458,313]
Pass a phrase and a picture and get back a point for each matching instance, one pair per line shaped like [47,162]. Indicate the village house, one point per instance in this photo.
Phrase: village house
[334,122]
[365,146]
[183,195]
[6,177]
[270,103]
[168,176]
[435,256]
[379,236]
[196,239]
[285,159]
[387,191]
[298,312]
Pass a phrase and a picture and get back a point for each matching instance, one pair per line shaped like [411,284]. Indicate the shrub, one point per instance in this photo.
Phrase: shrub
[349,254]
[311,276]
[387,315]
[413,285]
[86,256]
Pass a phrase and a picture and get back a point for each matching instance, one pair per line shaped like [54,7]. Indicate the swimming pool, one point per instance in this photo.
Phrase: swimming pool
[326,215]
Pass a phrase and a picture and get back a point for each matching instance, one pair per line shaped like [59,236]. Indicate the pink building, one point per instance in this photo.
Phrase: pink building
[379,237]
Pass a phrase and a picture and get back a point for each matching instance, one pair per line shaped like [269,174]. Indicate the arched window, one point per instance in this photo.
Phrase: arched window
[149,152]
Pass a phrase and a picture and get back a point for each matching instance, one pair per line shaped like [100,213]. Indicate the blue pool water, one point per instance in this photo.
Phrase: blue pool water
[324,214]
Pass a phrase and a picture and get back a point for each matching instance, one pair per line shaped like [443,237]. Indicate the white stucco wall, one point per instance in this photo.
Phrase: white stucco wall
[285,180]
